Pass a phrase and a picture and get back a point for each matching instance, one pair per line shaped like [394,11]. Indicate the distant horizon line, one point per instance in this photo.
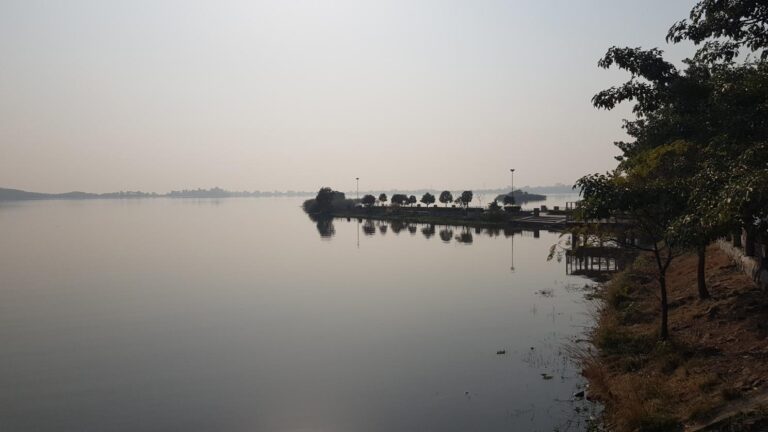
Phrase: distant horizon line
[559,186]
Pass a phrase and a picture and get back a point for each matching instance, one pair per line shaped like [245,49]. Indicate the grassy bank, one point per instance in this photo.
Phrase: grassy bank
[710,375]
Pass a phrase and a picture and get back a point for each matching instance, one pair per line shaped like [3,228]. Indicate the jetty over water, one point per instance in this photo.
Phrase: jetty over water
[593,261]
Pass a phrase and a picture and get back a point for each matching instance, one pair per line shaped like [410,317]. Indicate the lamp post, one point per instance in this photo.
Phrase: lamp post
[357,187]
[512,238]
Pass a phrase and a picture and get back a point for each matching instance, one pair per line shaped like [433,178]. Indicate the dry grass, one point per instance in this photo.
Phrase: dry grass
[716,354]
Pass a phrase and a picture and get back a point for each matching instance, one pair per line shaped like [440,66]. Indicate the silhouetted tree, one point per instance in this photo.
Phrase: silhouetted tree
[509,199]
[382,198]
[428,199]
[325,200]
[412,200]
[725,26]
[446,234]
[324,197]
[368,200]
[465,198]
[446,197]
[399,199]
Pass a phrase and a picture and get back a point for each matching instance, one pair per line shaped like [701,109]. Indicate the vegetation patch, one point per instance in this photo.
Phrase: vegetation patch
[712,365]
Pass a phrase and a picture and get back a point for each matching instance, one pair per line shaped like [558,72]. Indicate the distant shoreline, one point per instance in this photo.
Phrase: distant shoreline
[21,195]
[7,194]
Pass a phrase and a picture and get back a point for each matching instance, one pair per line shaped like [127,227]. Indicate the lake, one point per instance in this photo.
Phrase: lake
[237,315]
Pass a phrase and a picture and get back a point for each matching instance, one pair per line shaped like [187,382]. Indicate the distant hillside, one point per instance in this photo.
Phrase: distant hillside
[20,195]
[558,188]
[522,197]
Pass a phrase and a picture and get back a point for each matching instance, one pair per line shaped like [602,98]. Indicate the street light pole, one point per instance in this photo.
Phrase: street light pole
[357,187]
[512,179]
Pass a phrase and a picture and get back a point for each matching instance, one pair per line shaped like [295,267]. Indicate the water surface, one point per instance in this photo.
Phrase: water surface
[237,315]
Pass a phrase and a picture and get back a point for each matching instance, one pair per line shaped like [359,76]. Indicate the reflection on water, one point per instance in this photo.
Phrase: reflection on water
[428,231]
[325,227]
[197,316]
[446,234]
[594,263]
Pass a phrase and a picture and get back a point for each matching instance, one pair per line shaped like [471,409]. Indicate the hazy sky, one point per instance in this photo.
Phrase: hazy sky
[277,94]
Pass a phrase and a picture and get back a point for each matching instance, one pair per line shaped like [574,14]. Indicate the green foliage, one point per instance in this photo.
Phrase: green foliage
[696,166]
[723,27]
[383,198]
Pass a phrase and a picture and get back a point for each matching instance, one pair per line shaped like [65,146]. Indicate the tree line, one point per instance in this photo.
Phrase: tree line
[445,197]
[696,166]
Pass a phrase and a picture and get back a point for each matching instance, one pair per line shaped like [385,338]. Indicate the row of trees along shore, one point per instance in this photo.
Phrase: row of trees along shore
[326,196]
[445,197]
[696,166]
[328,200]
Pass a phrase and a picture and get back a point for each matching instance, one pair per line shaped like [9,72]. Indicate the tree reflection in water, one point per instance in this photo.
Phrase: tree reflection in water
[397,226]
[465,236]
[428,230]
[324,225]
[369,228]
[446,234]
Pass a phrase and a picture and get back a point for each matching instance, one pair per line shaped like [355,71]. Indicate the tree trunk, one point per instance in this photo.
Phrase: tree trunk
[664,330]
[700,275]
[737,238]
[749,242]
[662,267]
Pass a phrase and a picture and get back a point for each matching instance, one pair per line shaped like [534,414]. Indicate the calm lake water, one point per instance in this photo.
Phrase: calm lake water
[236,315]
